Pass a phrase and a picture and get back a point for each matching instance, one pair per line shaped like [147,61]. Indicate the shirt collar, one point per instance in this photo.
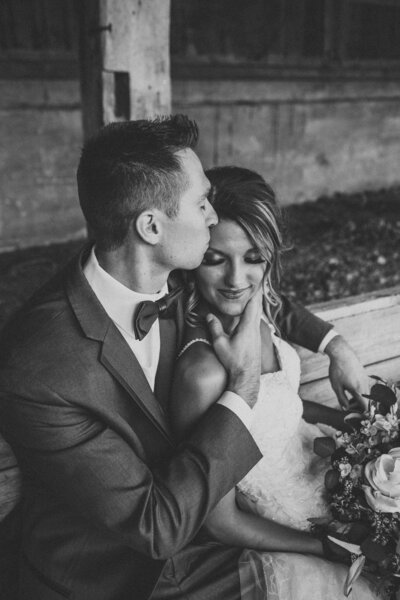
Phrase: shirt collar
[119,301]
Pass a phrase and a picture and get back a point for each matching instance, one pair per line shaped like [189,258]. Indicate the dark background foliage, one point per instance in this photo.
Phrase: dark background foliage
[340,246]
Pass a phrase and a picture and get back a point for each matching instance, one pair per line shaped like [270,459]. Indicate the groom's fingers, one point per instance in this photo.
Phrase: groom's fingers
[252,312]
[215,326]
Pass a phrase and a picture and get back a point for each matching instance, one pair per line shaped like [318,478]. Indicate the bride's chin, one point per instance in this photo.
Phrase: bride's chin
[232,311]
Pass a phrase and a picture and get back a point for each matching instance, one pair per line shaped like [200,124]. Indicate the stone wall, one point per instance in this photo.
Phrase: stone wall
[41,136]
[308,138]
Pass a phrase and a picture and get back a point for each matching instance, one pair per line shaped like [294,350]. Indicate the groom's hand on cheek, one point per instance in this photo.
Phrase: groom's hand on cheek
[240,352]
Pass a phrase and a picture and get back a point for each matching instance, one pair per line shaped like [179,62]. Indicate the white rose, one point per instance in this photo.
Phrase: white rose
[383,475]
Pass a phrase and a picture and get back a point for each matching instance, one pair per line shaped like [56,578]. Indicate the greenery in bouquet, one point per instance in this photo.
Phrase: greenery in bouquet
[363,485]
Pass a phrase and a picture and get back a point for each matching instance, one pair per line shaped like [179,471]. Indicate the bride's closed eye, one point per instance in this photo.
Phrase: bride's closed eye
[255,259]
[212,259]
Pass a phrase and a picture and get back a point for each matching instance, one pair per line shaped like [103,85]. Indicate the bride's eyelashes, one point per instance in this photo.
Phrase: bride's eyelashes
[255,260]
[211,260]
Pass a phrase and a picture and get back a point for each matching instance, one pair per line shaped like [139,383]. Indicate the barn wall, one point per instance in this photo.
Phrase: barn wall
[308,138]
[41,136]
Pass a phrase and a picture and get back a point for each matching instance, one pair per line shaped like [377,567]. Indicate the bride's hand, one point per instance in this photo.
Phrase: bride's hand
[240,352]
[346,373]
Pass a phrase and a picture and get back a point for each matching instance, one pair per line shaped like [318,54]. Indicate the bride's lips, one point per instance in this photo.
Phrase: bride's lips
[233,294]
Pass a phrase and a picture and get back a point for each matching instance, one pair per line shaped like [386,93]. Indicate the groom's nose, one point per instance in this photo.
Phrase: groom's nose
[212,218]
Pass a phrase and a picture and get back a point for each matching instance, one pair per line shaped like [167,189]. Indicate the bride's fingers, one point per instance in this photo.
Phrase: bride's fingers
[341,396]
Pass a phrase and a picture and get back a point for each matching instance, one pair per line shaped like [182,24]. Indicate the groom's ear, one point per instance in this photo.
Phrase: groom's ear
[148,226]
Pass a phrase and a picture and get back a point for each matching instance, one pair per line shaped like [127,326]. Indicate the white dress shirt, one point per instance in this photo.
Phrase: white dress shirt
[120,304]
[329,336]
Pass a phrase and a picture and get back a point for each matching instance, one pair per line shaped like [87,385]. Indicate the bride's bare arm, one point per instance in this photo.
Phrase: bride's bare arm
[232,526]
[199,381]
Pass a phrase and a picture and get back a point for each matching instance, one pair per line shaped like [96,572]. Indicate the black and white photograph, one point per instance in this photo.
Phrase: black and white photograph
[200,299]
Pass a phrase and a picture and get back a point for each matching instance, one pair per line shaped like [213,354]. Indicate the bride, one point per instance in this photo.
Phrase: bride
[268,511]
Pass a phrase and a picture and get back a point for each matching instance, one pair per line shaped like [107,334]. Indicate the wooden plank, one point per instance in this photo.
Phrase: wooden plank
[293,30]
[129,37]
[376,2]
[329,29]
[90,66]
[347,306]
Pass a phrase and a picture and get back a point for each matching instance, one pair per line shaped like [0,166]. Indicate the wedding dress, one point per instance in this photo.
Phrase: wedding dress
[287,486]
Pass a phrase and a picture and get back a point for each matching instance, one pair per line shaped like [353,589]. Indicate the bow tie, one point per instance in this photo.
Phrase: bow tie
[148,311]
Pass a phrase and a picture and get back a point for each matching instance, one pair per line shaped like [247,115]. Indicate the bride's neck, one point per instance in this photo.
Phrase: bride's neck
[228,322]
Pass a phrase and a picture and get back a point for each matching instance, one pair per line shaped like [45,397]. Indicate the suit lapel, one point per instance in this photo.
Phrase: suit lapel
[118,358]
[115,355]
[168,352]
[171,335]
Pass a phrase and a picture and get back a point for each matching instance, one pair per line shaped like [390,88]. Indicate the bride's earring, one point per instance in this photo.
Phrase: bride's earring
[266,287]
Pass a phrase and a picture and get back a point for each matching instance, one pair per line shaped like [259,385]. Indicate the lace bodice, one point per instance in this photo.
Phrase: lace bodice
[287,483]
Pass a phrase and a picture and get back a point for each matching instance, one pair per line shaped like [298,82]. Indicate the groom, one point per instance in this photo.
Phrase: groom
[112,508]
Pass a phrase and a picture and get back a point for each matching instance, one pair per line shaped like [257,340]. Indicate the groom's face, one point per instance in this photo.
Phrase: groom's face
[186,236]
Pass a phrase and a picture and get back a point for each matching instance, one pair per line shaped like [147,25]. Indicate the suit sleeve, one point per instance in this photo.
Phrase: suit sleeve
[100,476]
[299,326]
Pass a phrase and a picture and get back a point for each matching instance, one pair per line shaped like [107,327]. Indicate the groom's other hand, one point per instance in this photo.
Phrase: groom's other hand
[346,373]
[240,351]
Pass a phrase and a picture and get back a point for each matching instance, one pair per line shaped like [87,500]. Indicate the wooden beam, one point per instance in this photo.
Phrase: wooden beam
[124,60]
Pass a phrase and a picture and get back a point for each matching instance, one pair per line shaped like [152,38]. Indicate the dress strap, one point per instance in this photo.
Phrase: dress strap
[186,346]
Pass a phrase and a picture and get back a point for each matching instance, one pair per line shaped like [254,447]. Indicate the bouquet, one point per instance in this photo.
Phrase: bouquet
[363,486]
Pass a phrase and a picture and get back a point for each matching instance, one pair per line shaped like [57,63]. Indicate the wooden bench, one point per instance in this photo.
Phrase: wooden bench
[371,324]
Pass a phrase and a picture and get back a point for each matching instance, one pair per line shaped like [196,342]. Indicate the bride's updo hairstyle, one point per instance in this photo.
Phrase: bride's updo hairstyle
[243,196]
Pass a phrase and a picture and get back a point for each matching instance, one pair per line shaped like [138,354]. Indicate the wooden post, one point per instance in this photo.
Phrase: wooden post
[124,60]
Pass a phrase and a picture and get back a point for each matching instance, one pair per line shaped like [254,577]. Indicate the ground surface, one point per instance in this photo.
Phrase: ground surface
[341,246]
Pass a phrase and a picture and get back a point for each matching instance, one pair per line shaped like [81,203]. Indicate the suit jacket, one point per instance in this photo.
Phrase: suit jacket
[108,497]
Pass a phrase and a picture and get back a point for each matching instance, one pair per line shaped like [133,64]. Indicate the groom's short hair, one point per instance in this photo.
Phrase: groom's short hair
[129,167]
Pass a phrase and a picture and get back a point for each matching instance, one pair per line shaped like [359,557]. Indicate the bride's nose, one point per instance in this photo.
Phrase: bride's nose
[235,276]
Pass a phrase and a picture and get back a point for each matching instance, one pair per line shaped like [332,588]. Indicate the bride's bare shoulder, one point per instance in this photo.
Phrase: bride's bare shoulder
[199,381]
[199,365]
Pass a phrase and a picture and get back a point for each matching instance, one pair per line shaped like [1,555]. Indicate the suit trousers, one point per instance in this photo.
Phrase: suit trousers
[201,571]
